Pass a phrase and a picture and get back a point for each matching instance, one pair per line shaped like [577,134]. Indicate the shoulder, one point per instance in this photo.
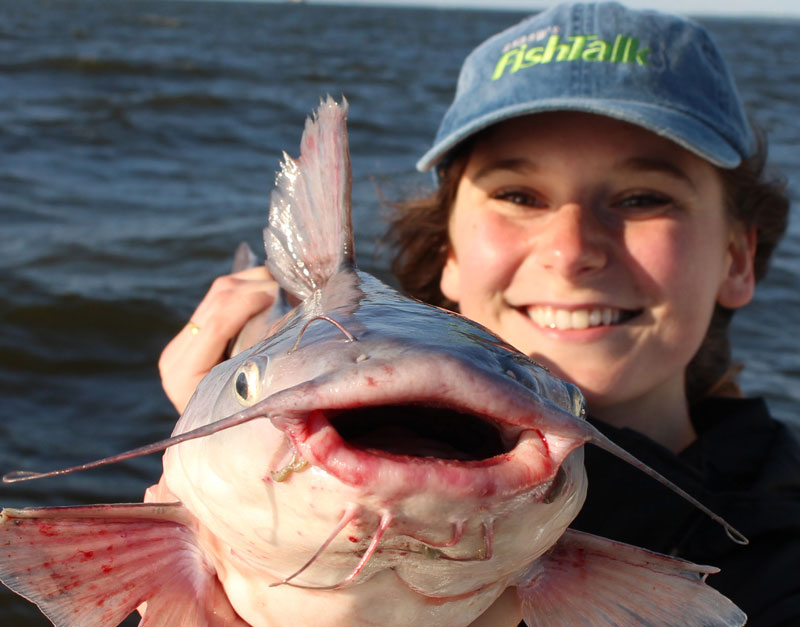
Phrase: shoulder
[740,446]
[745,466]
[752,464]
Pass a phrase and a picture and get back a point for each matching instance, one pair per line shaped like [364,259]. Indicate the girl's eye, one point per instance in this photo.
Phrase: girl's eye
[643,202]
[519,197]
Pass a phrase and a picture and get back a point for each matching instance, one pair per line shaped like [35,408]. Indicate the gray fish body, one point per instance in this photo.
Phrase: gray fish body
[407,365]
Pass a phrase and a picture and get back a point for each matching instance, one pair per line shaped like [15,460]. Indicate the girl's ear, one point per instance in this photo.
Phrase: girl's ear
[737,288]
[450,283]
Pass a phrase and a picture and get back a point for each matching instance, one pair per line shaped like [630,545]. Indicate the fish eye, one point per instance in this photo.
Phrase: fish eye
[247,383]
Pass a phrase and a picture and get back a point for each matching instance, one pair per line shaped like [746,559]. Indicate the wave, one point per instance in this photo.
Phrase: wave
[90,65]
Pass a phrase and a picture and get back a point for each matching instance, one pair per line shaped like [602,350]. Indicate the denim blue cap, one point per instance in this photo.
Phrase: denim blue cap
[656,70]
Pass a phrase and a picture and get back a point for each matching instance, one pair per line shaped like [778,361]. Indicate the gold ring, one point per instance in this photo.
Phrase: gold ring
[193,328]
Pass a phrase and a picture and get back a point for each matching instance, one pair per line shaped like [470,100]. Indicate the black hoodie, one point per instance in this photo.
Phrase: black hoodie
[745,466]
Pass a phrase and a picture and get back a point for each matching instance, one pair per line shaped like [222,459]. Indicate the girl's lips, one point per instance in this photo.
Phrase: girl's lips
[562,319]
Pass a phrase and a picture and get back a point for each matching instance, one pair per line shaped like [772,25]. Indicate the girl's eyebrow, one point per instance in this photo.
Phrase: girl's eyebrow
[644,164]
[655,164]
[517,165]
[521,165]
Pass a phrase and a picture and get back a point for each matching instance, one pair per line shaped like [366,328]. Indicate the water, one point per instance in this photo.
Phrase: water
[138,142]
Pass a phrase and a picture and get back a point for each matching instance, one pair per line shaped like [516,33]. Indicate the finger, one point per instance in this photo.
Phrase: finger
[184,362]
[222,314]
[230,302]
[255,273]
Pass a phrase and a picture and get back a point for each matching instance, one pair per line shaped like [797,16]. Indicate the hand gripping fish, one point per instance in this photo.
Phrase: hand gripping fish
[372,461]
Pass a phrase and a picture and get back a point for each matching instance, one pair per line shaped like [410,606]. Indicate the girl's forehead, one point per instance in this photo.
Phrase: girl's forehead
[589,126]
[544,134]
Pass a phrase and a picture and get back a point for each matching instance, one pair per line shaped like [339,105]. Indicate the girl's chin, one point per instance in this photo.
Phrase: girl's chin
[602,381]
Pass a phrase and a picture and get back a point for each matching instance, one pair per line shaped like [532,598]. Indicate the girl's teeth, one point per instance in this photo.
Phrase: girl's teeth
[565,319]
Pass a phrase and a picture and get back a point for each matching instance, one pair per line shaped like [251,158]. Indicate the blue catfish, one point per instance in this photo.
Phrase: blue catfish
[372,460]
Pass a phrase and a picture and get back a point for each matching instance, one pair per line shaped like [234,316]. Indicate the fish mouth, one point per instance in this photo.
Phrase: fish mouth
[444,426]
[422,431]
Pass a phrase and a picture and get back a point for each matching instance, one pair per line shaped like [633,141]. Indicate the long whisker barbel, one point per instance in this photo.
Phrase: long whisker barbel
[233,420]
[349,515]
[383,525]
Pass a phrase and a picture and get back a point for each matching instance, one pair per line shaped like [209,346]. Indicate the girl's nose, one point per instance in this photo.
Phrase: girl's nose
[572,242]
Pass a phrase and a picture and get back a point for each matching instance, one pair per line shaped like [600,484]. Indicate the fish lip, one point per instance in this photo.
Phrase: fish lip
[543,434]
[396,476]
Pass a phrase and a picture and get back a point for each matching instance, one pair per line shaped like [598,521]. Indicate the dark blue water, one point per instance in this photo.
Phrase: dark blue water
[138,142]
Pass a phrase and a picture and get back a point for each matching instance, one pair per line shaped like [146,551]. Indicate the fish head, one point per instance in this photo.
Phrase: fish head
[379,416]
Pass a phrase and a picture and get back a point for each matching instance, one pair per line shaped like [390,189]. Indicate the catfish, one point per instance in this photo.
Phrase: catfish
[370,459]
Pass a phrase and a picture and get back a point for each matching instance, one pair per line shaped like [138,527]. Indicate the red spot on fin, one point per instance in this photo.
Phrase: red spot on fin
[49,558]
[585,579]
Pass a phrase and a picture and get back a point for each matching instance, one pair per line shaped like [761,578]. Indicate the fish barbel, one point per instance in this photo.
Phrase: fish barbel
[372,460]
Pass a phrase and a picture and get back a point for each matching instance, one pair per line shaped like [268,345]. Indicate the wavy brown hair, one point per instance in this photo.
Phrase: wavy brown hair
[754,197]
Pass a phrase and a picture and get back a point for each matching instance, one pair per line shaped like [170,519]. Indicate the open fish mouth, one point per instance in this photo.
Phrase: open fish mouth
[416,430]
[442,424]
[400,457]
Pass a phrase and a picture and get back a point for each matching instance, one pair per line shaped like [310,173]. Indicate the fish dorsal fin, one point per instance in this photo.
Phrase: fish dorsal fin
[310,232]
[244,258]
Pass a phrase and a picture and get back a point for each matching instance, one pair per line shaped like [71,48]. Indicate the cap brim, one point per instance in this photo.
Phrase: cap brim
[685,130]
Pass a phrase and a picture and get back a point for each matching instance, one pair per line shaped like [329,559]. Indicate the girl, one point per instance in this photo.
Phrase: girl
[602,206]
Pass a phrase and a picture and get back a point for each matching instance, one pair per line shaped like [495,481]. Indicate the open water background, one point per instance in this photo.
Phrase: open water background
[138,141]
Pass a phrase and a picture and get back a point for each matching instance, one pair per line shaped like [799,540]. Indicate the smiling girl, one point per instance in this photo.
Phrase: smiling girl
[600,250]
[602,206]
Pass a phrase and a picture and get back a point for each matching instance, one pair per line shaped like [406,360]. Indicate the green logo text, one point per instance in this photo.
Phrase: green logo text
[623,49]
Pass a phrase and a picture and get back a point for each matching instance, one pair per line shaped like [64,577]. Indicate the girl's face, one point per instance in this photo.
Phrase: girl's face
[600,250]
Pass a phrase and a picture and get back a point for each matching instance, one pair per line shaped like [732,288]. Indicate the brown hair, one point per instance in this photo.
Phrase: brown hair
[754,197]
[419,235]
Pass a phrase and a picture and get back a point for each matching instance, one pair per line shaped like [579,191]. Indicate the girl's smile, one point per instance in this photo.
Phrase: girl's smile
[577,318]
[601,250]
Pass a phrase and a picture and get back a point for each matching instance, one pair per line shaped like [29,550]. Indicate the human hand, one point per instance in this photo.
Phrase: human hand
[230,302]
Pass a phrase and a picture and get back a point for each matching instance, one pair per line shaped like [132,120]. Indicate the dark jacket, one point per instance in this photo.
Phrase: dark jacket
[745,466]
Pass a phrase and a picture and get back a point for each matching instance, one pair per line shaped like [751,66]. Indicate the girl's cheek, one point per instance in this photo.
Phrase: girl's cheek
[661,253]
[499,244]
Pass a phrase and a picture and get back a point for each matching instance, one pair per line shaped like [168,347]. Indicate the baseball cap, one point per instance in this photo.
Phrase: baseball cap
[653,69]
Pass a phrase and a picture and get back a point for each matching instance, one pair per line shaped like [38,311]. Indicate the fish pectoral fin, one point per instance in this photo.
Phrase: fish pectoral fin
[207,605]
[588,580]
[94,565]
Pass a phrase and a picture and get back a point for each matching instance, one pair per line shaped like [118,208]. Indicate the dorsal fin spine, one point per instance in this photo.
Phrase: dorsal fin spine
[309,237]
